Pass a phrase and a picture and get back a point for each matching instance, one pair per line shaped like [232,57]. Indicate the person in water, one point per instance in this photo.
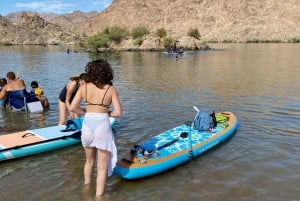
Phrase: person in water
[3,102]
[39,93]
[15,90]
[66,96]
[98,93]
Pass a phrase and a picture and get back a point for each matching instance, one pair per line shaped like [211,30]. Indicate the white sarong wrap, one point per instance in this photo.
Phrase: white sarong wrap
[96,132]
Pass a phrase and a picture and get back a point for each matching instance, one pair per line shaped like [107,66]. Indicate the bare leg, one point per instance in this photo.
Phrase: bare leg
[62,112]
[90,154]
[102,164]
[44,101]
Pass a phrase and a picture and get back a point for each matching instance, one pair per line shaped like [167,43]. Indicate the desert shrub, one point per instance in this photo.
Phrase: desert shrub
[194,32]
[138,41]
[294,40]
[115,33]
[161,32]
[94,42]
[5,43]
[139,32]
[168,42]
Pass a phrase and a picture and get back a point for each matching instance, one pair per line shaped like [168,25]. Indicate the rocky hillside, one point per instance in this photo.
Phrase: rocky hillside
[216,20]
[70,21]
[30,28]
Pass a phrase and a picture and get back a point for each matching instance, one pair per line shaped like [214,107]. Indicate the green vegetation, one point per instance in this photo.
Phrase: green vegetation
[161,32]
[104,38]
[96,41]
[138,41]
[194,32]
[168,42]
[263,41]
[116,34]
[139,32]
[227,41]
[113,34]
[5,43]
[294,40]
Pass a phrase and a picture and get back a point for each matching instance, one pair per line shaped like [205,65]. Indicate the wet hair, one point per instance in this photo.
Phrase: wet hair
[35,83]
[83,76]
[3,81]
[11,75]
[99,72]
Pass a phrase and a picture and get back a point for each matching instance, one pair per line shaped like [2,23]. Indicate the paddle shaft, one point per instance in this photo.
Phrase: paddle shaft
[183,135]
[74,135]
[167,144]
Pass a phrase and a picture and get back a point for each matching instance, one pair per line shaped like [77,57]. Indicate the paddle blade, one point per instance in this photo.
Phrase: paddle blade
[195,108]
[184,134]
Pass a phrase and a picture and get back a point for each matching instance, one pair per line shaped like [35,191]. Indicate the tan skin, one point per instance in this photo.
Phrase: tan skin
[42,98]
[65,107]
[12,85]
[95,95]
[18,84]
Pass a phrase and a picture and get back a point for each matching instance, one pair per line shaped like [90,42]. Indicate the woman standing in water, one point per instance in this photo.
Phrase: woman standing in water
[66,96]
[97,136]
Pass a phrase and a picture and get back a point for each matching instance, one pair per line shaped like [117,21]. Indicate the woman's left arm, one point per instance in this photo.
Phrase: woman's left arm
[117,112]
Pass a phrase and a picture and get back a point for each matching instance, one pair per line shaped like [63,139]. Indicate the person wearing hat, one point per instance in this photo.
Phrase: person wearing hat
[66,96]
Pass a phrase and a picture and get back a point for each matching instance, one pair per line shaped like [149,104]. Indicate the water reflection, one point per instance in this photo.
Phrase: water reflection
[258,82]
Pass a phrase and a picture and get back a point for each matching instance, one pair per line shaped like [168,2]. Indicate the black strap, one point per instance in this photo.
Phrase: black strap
[105,94]
[101,104]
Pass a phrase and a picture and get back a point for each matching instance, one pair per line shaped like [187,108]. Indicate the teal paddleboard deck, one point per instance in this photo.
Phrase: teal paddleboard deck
[30,142]
[173,147]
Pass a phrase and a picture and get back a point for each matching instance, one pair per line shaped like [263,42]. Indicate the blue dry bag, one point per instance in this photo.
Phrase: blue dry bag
[203,122]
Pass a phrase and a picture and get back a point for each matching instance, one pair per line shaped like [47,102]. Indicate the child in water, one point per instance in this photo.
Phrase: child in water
[39,93]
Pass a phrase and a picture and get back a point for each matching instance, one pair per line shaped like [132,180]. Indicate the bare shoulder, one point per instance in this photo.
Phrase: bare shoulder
[113,89]
[71,84]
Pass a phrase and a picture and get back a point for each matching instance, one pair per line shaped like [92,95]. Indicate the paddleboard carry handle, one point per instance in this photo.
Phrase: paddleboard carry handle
[74,135]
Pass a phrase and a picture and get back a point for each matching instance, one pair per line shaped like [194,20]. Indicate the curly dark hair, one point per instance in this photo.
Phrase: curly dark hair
[99,72]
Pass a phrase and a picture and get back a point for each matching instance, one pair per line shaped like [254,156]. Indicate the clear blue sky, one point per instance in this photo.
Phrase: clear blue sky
[52,6]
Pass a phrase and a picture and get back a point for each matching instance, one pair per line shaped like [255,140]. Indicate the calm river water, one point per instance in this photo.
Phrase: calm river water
[258,82]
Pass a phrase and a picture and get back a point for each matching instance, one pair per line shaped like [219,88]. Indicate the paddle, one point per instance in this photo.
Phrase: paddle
[195,108]
[74,135]
[182,135]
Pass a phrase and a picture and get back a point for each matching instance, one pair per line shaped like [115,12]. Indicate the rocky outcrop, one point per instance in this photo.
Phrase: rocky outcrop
[70,21]
[217,21]
[30,28]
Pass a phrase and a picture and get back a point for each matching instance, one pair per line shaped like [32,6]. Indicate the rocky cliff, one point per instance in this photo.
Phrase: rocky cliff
[30,28]
[216,20]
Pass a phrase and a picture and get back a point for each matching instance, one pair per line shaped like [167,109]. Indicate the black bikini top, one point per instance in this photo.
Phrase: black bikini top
[98,104]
